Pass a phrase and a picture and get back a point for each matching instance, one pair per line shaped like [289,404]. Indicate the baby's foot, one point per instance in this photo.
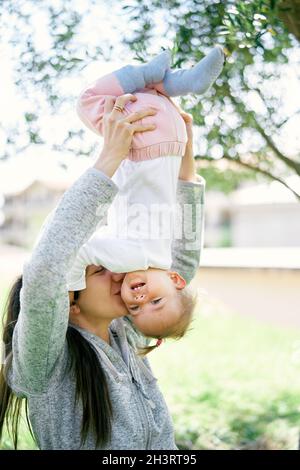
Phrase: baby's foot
[199,78]
[136,77]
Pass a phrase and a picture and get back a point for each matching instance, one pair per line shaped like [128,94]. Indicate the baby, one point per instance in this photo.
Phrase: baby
[157,297]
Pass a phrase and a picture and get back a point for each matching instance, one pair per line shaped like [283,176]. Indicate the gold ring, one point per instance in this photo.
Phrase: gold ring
[118,108]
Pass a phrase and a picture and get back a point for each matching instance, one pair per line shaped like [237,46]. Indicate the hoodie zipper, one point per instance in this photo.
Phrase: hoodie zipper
[139,388]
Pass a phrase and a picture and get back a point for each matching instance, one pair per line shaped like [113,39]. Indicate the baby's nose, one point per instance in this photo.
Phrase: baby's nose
[139,296]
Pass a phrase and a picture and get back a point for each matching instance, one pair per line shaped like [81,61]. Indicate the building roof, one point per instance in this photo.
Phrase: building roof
[40,164]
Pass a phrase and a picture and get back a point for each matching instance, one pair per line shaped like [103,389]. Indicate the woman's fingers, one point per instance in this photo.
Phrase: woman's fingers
[139,128]
[119,129]
[140,114]
[109,104]
[120,101]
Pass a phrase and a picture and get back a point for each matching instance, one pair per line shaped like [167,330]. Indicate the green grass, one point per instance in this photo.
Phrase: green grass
[231,383]
[25,440]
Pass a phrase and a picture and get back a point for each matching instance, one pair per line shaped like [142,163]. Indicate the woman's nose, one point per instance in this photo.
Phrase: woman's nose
[117,277]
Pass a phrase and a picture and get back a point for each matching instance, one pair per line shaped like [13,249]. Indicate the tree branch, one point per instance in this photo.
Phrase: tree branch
[289,13]
[288,161]
[287,119]
[253,168]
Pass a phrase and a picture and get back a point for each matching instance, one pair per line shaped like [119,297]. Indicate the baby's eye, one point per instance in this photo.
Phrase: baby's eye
[156,301]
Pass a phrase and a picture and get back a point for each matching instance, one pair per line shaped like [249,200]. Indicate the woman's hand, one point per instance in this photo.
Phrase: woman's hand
[118,132]
[188,168]
[188,119]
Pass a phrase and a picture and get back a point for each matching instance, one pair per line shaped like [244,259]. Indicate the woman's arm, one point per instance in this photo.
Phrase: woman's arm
[39,336]
[186,249]
[40,332]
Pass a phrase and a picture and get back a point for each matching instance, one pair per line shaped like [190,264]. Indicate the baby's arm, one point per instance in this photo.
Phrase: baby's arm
[186,250]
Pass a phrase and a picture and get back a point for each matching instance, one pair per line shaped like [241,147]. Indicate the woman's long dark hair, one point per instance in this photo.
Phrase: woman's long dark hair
[91,384]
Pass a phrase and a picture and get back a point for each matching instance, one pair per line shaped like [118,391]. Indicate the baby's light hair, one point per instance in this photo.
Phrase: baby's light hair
[188,299]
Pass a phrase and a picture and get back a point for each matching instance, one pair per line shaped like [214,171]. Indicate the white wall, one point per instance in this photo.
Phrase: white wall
[269,295]
[266,225]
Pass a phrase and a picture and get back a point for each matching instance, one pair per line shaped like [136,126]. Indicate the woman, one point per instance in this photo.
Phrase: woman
[73,357]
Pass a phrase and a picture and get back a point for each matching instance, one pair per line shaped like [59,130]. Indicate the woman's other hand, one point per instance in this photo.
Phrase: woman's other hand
[188,170]
[188,119]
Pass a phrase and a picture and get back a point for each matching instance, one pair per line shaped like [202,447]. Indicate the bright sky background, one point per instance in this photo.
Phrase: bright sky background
[105,24]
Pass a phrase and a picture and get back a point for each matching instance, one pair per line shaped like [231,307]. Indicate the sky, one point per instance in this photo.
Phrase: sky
[107,24]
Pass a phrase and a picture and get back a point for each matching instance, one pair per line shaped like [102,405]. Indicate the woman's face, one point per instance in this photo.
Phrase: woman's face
[101,298]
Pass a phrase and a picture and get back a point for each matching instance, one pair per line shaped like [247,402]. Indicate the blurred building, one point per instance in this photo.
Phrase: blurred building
[261,215]
[251,259]
[256,215]
[25,209]
[259,282]
[31,185]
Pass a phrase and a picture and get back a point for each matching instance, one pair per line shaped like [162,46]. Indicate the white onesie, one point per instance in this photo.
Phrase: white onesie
[140,221]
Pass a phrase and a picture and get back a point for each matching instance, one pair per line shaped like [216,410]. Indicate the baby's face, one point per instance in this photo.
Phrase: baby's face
[151,299]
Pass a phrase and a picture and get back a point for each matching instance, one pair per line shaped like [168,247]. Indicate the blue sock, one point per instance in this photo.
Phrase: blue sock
[135,77]
[199,78]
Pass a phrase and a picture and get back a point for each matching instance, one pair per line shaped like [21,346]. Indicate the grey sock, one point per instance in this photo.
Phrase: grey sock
[199,78]
[135,77]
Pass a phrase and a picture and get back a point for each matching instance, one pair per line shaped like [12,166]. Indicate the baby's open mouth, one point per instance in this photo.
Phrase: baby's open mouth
[137,285]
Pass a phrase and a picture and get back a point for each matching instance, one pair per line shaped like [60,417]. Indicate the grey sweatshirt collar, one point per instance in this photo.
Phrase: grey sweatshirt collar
[119,353]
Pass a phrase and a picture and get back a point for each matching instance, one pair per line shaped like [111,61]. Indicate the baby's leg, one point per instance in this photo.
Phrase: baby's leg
[136,77]
[127,79]
[196,80]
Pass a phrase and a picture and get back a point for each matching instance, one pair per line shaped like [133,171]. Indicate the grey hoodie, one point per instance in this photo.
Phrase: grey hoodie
[39,371]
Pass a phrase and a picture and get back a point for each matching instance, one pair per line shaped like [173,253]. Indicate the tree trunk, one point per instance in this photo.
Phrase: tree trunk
[291,16]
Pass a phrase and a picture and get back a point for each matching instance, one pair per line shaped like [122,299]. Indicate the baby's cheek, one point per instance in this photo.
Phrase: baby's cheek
[148,325]
[138,322]
[123,297]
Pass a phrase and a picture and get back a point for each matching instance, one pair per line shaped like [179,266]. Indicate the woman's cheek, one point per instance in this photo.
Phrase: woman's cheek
[124,298]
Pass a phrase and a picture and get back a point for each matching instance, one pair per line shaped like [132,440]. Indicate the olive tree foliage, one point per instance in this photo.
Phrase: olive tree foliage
[238,122]
[258,44]
[39,69]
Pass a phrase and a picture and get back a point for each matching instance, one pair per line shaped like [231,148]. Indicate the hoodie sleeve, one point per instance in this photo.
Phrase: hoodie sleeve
[188,237]
[40,333]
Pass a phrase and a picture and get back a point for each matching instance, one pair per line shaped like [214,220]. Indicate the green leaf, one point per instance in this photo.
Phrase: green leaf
[30,117]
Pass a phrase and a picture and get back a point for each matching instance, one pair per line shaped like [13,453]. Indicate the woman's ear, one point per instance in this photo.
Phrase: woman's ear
[178,280]
[74,307]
